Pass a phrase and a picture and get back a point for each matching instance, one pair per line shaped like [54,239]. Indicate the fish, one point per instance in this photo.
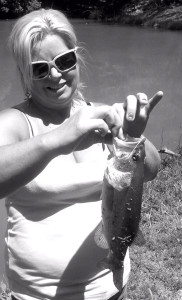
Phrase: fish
[121,204]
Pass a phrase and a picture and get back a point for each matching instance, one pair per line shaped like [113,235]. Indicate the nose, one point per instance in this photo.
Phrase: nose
[54,73]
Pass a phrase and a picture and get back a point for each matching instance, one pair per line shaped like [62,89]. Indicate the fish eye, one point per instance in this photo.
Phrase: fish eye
[135,157]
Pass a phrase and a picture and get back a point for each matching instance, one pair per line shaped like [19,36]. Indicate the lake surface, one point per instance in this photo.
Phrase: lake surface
[120,60]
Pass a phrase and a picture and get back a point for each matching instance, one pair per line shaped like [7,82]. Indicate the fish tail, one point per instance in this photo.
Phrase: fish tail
[117,270]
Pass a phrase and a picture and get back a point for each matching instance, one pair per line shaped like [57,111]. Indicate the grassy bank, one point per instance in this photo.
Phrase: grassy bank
[143,13]
[157,17]
[157,266]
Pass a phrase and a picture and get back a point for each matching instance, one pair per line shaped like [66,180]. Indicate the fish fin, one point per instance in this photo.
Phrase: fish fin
[104,264]
[139,239]
[100,238]
[118,278]
[107,263]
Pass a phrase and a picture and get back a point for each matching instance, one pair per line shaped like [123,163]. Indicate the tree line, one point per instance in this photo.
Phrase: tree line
[95,9]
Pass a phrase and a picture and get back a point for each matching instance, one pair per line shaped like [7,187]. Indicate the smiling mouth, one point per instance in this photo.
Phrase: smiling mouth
[55,88]
[52,88]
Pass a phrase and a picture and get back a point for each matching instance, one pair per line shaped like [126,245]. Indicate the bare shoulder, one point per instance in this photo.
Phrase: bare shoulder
[13,126]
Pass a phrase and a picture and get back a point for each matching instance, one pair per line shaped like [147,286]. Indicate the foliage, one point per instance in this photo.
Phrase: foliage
[16,8]
[90,8]
[105,10]
[5,293]
[156,267]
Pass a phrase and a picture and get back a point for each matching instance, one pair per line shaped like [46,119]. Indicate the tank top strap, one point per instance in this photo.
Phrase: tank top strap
[30,127]
[29,124]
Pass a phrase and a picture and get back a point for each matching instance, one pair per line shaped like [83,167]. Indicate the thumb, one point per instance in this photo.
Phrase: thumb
[153,101]
[97,124]
[121,135]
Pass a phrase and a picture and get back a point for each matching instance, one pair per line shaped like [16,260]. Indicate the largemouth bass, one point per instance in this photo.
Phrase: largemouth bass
[121,204]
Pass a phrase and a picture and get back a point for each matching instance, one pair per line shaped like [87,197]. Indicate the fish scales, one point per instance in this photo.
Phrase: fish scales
[121,204]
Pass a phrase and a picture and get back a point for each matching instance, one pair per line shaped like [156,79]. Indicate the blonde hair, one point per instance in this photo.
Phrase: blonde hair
[31,29]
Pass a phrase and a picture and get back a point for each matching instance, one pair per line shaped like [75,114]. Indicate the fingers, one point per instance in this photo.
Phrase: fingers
[140,104]
[130,117]
[102,118]
[142,98]
[99,125]
[121,134]
[131,107]
[110,116]
[119,108]
[113,120]
[153,101]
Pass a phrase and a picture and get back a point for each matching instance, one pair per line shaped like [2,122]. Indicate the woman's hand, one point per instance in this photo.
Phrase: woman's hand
[99,123]
[87,126]
[136,113]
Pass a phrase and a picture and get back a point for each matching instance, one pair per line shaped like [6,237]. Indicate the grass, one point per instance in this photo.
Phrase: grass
[156,272]
[157,266]
[5,293]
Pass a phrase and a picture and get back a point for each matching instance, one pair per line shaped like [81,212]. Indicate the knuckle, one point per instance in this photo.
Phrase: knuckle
[131,97]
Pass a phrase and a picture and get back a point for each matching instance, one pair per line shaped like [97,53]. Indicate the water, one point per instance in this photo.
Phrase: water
[120,61]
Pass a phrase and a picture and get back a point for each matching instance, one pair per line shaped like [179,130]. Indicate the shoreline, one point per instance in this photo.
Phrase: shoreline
[141,13]
[168,18]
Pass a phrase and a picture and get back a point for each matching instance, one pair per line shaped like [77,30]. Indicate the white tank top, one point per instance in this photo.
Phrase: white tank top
[50,247]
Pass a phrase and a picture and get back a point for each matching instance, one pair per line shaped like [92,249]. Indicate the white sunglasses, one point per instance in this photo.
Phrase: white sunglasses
[62,62]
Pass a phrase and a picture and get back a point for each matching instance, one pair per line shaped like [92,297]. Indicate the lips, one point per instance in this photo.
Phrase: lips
[56,88]
[52,88]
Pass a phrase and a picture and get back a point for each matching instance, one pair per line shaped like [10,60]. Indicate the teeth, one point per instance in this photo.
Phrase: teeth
[53,88]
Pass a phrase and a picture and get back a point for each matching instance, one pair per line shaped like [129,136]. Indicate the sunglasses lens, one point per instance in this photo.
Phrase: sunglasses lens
[40,70]
[66,61]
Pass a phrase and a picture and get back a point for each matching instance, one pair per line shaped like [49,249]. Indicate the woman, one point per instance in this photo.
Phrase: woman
[52,162]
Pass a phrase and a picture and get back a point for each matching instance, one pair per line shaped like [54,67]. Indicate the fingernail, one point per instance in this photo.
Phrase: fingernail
[102,132]
[130,116]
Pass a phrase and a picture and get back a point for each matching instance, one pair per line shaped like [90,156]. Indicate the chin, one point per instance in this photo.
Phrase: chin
[63,102]
[66,98]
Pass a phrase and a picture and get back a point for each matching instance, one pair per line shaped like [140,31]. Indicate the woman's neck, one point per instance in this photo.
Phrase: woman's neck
[50,115]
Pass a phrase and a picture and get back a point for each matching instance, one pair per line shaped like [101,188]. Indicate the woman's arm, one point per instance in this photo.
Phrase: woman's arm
[23,158]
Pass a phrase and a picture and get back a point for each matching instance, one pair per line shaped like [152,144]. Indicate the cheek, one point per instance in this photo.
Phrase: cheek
[73,78]
[36,86]
[76,81]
